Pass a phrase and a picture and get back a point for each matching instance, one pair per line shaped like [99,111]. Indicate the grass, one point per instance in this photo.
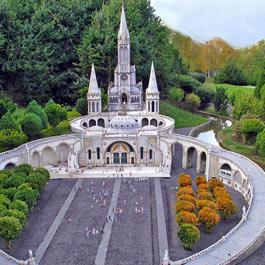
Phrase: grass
[231,89]
[182,118]
[227,141]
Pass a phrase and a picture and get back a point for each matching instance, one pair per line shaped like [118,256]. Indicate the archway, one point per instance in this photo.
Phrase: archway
[121,153]
[238,178]
[35,159]
[10,165]
[92,123]
[226,171]
[203,163]
[63,151]
[101,122]
[192,157]
[124,98]
[48,157]
[153,122]
[144,122]
[85,125]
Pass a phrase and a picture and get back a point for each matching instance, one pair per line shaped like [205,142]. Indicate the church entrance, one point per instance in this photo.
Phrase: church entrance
[121,153]
[124,98]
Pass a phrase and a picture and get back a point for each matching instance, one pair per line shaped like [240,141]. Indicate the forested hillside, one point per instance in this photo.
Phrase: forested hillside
[47,47]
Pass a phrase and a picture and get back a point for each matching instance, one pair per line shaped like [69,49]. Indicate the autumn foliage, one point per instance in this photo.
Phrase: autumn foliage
[226,207]
[209,218]
[187,197]
[205,195]
[200,180]
[185,217]
[184,180]
[185,190]
[203,187]
[185,206]
[205,203]
[213,182]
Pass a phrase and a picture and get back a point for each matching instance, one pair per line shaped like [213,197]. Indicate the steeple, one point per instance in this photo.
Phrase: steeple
[123,31]
[93,83]
[152,87]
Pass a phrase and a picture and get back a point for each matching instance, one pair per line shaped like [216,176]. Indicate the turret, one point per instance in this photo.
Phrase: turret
[152,93]
[93,94]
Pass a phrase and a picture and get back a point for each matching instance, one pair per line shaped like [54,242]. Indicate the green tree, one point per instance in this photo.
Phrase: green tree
[23,169]
[34,107]
[4,200]
[15,213]
[192,101]
[10,139]
[220,100]
[81,106]
[27,194]
[176,94]
[31,125]
[15,180]
[37,180]
[44,172]
[260,144]
[8,122]
[189,235]
[55,114]
[10,229]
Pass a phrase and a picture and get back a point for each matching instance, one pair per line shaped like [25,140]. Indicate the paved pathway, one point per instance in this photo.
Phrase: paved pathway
[103,247]
[56,223]
[161,223]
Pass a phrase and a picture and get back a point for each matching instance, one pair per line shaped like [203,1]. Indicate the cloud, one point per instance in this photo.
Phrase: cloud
[240,22]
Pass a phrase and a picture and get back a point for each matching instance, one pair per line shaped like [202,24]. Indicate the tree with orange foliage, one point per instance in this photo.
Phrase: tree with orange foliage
[205,203]
[214,182]
[209,219]
[220,192]
[202,188]
[185,206]
[187,197]
[185,190]
[226,207]
[184,180]
[200,180]
[185,217]
[205,195]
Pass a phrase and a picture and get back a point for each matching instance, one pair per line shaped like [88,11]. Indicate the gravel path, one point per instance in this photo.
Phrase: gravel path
[131,238]
[49,204]
[74,242]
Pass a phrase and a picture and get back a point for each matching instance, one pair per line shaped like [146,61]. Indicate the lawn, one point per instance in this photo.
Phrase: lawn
[231,89]
[226,141]
[182,118]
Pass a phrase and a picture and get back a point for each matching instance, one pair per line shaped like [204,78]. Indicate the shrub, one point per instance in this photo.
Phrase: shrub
[2,208]
[185,190]
[206,203]
[187,197]
[200,180]
[184,180]
[260,144]
[34,107]
[24,169]
[44,172]
[4,200]
[27,194]
[219,192]
[201,77]
[31,125]
[213,182]
[10,229]
[226,207]
[185,217]
[185,206]
[192,101]
[220,100]
[3,177]
[55,114]
[81,106]
[37,180]
[187,83]
[6,104]
[8,122]
[10,139]
[189,235]
[203,188]
[204,195]
[9,193]
[15,213]
[15,180]
[176,94]
[209,218]
[20,206]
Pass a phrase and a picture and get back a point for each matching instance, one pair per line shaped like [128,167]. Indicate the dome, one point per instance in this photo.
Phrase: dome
[123,122]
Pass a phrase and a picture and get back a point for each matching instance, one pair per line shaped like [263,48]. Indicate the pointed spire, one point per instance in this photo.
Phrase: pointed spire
[152,87]
[123,24]
[93,83]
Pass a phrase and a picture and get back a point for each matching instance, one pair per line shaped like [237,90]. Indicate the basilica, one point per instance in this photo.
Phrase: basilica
[131,132]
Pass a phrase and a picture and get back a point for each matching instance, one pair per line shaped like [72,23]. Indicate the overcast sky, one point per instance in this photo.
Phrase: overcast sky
[240,22]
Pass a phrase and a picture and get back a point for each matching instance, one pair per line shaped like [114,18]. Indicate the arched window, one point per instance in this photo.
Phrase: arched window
[150,154]
[142,153]
[98,153]
[153,106]
[89,154]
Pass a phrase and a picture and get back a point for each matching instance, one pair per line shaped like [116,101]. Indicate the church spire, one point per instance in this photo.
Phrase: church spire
[152,87]
[93,83]
[123,31]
